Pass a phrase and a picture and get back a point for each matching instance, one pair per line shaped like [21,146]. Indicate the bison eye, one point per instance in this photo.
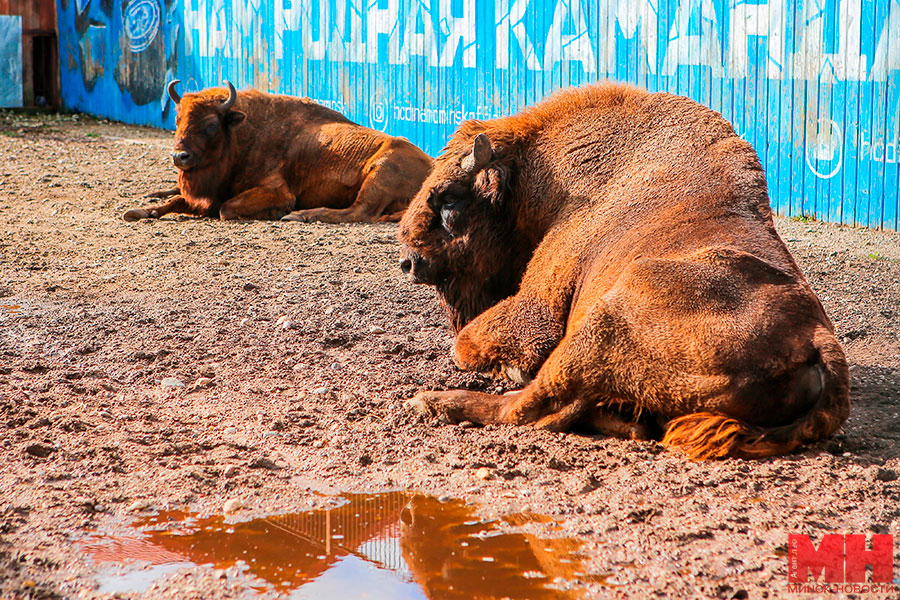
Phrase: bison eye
[451,213]
[434,202]
[212,128]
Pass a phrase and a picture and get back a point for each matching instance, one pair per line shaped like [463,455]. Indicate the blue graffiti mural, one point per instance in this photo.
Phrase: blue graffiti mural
[10,61]
[814,85]
[141,24]
[116,56]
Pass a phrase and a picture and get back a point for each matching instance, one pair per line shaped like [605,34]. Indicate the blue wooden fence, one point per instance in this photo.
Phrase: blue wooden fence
[814,85]
[10,60]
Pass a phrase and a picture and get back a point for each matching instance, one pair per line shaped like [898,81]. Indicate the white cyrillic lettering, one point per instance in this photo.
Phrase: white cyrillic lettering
[458,29]
[762,20]
[510,21]
[887,53]
[347,43]
[315,49]
[576,47]
[630,16]
[419,43]
[685,49]
[383,21]
[286,19]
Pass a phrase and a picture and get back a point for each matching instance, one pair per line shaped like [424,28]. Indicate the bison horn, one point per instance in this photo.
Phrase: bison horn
[232,97]
[172,93]
[480,155]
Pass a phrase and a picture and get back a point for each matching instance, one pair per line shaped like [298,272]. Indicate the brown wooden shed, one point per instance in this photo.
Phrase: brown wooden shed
[40,54]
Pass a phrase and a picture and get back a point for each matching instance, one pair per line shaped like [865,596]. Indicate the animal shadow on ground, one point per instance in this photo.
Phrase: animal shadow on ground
[872,434]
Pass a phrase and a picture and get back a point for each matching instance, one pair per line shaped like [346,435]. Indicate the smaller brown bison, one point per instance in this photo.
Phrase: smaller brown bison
[618,247]
[249,155]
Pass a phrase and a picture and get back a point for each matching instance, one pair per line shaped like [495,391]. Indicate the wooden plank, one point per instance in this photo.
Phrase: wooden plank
[864,172]
[29,11]
[794,154]
[878,130]
[890,160]
[44,14]
[832,117]
[771,157]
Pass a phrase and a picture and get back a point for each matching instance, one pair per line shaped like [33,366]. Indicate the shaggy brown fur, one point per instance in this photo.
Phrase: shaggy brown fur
[272,157]
[618,247]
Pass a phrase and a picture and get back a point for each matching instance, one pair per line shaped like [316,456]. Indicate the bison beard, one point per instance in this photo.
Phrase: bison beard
[248,155]
[463,301]
[618,247]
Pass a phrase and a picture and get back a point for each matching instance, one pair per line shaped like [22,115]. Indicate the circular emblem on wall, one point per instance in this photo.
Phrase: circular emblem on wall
[378,112]
[378,116]
[825,151]
[141,23]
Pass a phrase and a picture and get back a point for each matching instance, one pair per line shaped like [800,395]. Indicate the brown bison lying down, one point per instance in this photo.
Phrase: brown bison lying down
[618,247]
[249,155]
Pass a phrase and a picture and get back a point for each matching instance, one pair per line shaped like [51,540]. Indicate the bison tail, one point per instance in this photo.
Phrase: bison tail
[824,386]
[705,436]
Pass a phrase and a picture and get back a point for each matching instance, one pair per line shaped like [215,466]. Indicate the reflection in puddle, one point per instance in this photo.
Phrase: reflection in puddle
[392,545]
[134,581]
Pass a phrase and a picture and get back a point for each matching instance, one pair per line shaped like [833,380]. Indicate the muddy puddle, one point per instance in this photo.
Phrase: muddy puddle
[392,545]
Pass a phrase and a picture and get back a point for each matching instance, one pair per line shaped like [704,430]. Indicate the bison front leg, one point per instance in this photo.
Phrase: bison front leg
[391,217]
[328,215]
[555,400]
[162,194]
[176,205]
[265,202]
[577,383]
[352,214]
[514,337]
[530,406]
[455,406]
[368,206]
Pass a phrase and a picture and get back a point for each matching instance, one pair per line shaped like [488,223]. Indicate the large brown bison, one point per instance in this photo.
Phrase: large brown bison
[618,247]
[249,155]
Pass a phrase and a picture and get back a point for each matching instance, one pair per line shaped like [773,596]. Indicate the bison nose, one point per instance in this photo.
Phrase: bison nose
[181,158]
[418,268]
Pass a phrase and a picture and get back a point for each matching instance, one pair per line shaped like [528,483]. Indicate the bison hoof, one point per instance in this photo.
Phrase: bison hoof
[419,405]
[136,214]
[445,406]
[428,404]
[294,217]
[516,375]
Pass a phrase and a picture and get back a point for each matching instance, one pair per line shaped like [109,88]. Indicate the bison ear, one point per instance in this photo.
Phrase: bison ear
[480,156]
[492,183]
[234,117]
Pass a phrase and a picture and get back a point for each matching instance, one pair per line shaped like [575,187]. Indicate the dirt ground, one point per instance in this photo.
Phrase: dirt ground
[96,312]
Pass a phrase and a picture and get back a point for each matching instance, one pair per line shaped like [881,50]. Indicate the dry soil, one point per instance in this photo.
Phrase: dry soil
[96,312]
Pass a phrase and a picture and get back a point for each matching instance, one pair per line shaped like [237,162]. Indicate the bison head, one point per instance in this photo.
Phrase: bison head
[202,126]
[459,232]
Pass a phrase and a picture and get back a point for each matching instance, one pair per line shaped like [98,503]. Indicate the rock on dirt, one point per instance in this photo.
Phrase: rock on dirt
[483,473]
[171,383]
[138,506]
[39,450]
